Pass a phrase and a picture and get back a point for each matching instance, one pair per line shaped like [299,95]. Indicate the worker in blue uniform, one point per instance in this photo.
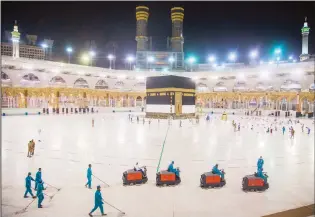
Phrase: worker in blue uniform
[40,194]
[98,203]
[215,170]
[38,177]
[28,186]
[261,174]
[172,169]
[89,177]
[260,163]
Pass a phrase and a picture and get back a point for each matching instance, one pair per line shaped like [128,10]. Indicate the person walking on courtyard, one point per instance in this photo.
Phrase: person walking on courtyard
[89,177]
[308,130]
[137,119]
[98,203]
[38,177]
[302,128]
[143,120]
[239,127]
[92,122]
[28,185]
[29,149]
[292,133]
[283,130]
[40,194]
[32,147]
[180,123]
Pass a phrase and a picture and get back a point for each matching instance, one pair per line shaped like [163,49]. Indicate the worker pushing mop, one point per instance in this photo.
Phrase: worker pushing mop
[89,177]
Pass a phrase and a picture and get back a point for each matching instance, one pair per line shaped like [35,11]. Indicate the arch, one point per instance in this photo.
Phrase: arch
[291,85]
[261,86]
[202,87]
[29,80]
[240,86]
[139,101]
[139,84]
[101,85]
[57,81]
[81,83]
[5,80]
[119,84]
[220,87]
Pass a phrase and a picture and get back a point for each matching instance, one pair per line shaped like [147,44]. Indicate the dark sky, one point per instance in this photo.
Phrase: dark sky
[209,27]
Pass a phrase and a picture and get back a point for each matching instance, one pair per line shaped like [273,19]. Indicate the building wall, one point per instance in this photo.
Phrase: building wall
[26,51]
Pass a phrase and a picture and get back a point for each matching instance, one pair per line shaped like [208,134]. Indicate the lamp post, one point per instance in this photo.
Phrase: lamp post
[130,59]
[212,60]
[253,55]
[85,59]
[44,46]
[92,54]
[171,61]
[150,59]
[232,57]
[69,51]
[110,57]
[278,52]
[191,61]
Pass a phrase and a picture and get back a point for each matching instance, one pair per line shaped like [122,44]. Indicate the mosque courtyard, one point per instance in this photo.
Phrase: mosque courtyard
[69,143]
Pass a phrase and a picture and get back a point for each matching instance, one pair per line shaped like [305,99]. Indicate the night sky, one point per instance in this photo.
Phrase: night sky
[209,27]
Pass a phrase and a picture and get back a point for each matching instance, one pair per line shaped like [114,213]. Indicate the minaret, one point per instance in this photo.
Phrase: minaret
[177,15]
[142,15]
[305,32]
[177,40]
[15,41]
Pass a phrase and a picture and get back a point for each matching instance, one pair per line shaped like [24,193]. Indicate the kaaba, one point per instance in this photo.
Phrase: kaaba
[170,96]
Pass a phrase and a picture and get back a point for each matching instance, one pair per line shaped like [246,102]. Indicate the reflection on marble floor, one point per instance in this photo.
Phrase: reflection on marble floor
[69,144]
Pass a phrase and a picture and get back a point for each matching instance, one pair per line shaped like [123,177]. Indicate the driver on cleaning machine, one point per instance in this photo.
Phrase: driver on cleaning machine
[261,174]
[215,170]
[138,168]
[172,169]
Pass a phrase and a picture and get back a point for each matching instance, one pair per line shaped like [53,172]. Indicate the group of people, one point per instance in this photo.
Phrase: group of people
[39,187]
[238,126]
[215,170]
[98,199]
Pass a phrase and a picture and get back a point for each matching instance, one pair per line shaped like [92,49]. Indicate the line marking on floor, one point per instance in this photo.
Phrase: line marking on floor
[158,167]
[55,158]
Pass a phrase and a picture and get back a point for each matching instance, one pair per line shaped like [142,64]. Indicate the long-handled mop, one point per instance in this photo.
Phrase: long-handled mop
[102,181]
[24,209]
[114,207]
[58,189]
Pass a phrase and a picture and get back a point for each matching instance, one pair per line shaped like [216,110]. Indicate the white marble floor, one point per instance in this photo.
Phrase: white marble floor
[69,144]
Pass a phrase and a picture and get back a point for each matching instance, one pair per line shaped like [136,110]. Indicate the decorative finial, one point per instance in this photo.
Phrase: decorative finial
[15,22]
[305,19]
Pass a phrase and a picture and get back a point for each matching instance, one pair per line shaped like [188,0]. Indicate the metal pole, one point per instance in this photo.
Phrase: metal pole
[110,64]
[69,57]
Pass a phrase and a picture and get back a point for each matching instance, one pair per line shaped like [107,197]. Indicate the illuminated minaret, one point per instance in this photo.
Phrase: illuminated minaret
[177,40]
[177,15]
[305,32]
[142,15]
[15,41]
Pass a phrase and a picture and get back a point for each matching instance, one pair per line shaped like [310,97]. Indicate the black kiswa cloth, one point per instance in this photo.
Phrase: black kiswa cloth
[170,81]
